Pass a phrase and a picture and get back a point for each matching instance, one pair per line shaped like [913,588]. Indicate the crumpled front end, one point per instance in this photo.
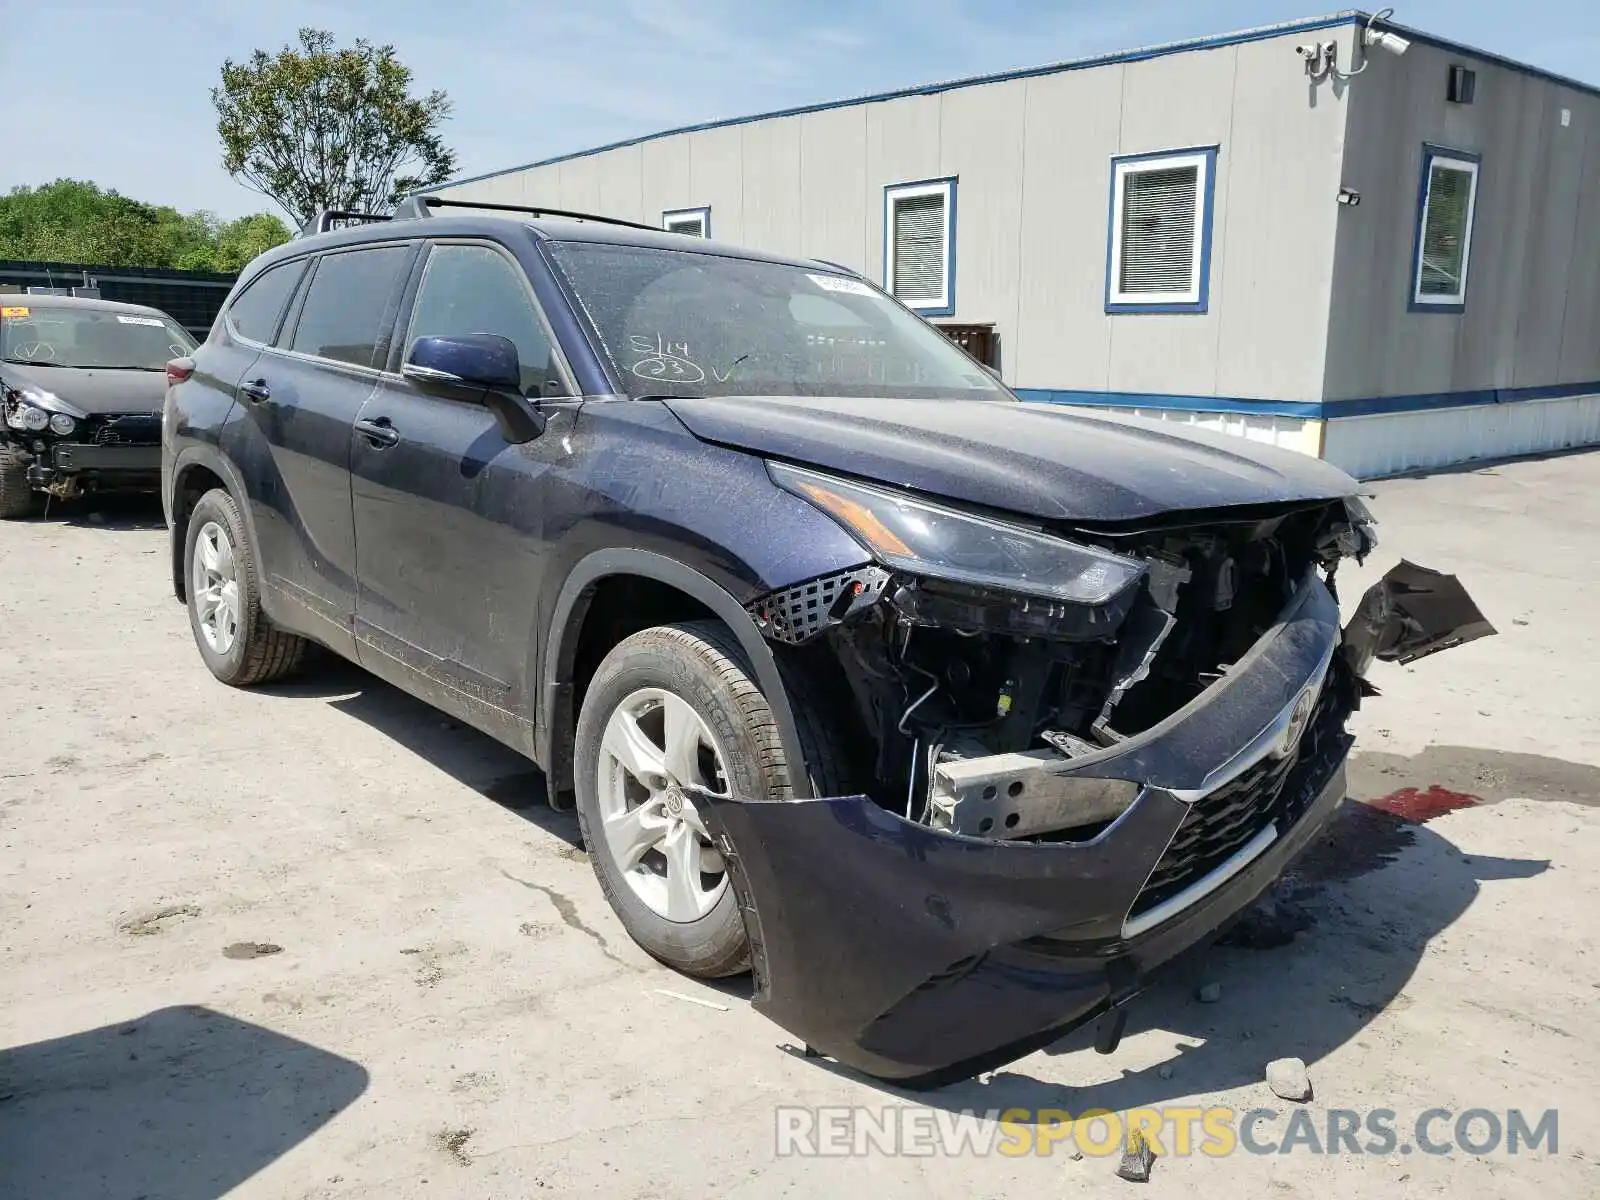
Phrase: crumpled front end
[1059,801]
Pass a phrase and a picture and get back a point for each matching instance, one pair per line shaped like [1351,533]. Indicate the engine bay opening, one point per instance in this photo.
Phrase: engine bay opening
[959,692]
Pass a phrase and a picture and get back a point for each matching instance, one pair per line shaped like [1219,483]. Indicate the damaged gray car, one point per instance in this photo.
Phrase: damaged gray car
[950,716]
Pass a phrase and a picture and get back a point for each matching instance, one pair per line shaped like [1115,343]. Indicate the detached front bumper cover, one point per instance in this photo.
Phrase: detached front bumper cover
[922,956]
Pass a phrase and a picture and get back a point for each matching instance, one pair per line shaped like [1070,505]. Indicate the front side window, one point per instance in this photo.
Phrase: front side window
[691,222]
[1160,245]
[1444,230]
[473,289]
[255,312]
[919,245]
[681,323]
[52,336]
[342,317]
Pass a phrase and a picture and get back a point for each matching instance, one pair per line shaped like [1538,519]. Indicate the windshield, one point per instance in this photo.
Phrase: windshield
[685,323]
[89,337]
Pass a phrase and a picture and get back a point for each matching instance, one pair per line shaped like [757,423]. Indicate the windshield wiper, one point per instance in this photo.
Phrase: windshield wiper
[30,362]
[125,367]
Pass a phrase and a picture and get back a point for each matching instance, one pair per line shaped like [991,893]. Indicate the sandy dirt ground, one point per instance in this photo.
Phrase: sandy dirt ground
[452,1010]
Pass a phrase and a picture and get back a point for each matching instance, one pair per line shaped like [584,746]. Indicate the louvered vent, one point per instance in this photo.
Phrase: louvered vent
[1159,230]
[919,249]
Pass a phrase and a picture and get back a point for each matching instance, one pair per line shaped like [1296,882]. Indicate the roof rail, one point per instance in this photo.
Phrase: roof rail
[420,206]
[324,220]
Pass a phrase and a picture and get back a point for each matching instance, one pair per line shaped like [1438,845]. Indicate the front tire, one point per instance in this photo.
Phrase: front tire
[17,497]
[676,705]
[240,646]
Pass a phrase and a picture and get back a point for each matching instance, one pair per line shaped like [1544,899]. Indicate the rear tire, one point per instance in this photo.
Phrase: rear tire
[239,644]
[17,497]
[693,677]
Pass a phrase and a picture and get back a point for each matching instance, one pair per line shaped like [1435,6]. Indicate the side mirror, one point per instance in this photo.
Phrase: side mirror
[474,362]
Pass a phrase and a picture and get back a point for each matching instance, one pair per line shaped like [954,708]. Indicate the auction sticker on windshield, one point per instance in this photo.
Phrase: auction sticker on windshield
[838,283]
[156,321]
[13,312]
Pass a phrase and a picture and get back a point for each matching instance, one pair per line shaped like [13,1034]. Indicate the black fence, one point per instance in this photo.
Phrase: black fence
[192,298]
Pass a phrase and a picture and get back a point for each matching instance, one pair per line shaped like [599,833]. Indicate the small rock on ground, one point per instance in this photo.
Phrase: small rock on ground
[1287,1078]
[1208,993]
[1137,1158]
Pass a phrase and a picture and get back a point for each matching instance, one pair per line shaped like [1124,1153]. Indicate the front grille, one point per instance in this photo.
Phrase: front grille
[133,429]
[1218,826]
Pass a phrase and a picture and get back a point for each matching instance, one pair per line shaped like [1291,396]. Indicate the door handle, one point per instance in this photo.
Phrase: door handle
[379,432]
[255,390]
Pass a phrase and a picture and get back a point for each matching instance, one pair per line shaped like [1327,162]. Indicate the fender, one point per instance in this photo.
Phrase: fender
[555,669]
[202,454]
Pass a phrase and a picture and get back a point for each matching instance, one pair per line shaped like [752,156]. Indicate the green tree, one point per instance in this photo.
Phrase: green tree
[73,220]
[316,127]
[239,241]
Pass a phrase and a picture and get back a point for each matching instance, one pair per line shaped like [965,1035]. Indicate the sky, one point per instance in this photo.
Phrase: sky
[120,93]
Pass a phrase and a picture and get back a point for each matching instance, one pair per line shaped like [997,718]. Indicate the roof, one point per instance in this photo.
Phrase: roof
[554,229]
[27,300]
[1140,54]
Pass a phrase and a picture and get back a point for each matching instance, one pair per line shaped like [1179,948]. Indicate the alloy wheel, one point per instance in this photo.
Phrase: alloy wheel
[214,584]
[655,746]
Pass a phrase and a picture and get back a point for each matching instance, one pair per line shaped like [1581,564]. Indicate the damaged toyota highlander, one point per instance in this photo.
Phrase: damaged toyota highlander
[952,717]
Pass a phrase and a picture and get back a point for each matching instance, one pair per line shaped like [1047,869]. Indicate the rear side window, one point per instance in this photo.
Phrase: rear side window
[343,313]
[472,289]
[255,311]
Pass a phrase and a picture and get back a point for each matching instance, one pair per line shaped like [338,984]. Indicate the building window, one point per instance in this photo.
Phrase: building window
[919,245]
[1446,202]
[691,222]
[1159,253]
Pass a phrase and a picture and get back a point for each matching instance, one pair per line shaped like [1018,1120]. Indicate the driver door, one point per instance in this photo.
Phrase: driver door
[448,514]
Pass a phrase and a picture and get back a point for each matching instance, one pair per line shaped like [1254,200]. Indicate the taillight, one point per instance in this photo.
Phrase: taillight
[179,369]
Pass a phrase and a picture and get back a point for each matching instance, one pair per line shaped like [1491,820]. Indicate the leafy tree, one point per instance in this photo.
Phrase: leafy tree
[316,127]
[73,220]
[239,241]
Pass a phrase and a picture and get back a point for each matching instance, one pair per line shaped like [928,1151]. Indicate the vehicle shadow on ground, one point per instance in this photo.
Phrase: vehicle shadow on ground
[184,1103]
[115,512]
[475,759]
[1312,966]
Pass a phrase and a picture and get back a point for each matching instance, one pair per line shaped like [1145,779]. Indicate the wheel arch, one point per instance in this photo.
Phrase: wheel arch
[556,719]
[194,465]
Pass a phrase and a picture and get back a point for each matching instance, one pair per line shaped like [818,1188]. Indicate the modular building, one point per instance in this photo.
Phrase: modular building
[1338,234]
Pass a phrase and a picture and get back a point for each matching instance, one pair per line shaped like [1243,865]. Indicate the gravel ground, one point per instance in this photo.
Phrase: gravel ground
[317,940]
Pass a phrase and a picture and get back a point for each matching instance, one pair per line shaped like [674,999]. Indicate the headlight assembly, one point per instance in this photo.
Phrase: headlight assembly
[27,416]
[35,410]
[945,543]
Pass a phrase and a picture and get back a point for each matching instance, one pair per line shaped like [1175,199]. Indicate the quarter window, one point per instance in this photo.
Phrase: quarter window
[342,317]
[473,289]
[1444,230]
[919,245]
[255,312]
[1160,245]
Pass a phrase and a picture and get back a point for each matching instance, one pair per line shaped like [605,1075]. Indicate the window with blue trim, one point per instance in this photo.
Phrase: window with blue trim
[691,222]
[1159,249]
[1445,208]
[919,245]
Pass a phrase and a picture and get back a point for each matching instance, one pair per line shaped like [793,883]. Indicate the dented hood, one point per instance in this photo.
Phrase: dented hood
[1045,460]
[95,390]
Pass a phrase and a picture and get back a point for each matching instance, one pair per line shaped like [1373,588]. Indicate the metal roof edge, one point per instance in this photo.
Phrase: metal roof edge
[1139,54]
[1349,16]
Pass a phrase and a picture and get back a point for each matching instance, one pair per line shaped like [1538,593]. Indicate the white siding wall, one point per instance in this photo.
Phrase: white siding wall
[1032,157]
[1372,447]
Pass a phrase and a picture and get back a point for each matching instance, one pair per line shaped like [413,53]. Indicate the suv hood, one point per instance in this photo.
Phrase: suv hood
[1047,461]
[94,390]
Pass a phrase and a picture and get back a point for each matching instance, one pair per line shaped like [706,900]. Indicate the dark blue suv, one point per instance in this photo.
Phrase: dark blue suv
[950,715]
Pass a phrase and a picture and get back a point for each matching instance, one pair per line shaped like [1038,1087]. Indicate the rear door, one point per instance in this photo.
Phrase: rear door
[300,399]
[448,514]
